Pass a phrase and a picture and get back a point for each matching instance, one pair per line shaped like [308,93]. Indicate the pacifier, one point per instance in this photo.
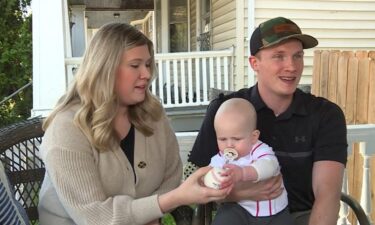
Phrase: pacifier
[230,154]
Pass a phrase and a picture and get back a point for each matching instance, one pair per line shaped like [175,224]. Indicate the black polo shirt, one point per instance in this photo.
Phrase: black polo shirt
[311,129]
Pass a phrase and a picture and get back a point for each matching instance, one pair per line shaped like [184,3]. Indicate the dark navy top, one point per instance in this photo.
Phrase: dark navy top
[127,145]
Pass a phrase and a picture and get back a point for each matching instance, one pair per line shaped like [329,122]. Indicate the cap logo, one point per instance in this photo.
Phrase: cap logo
[286,28]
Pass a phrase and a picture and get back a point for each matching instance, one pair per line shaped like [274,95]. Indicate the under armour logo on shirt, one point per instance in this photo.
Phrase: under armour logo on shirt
[298,139]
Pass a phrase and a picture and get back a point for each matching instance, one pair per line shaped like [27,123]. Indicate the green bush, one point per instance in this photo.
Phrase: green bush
[15,60]
[168,220]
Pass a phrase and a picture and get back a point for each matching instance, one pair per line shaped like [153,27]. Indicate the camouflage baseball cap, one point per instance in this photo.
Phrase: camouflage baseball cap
[273,31]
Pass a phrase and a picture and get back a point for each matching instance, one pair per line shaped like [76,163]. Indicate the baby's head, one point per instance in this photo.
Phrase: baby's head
[235,126]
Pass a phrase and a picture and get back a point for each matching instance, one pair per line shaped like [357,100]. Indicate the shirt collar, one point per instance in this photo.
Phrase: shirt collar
[257,101]
[298,105]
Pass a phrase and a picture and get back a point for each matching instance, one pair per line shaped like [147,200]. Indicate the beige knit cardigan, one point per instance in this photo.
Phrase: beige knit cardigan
[83,186]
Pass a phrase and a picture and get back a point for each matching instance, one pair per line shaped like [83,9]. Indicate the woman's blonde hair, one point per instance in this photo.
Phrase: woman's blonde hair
[94,87]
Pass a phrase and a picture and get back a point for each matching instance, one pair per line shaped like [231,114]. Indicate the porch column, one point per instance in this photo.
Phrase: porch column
[240,39]
[51,43]
[198,23]
[164,26]
[250,28]
[78,30]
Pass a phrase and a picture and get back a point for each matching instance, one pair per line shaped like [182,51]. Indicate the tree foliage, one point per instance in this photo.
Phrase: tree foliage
[15,60]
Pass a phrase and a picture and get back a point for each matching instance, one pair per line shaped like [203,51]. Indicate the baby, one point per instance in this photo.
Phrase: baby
[244,158]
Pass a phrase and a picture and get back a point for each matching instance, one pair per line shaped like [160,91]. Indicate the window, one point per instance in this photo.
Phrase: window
[204,36]
[178,27]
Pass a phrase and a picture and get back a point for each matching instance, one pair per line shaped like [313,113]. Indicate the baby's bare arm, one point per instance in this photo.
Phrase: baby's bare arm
[246,173]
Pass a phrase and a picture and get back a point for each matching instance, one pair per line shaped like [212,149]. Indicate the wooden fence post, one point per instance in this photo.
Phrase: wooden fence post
[342,78]
[371,101]
[351,91]
[324,73]
[371,119]
[332,76]
[315,86]
[363,91]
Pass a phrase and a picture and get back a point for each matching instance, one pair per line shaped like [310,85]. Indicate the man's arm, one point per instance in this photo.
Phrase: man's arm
[327,182]
[330,156]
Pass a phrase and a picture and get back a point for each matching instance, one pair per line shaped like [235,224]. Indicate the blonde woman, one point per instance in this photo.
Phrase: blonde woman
[111,156]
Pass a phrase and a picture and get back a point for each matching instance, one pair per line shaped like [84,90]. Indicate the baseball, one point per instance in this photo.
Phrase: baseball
[214,178]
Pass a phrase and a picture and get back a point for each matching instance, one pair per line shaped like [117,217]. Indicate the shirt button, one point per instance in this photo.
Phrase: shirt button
[142,164]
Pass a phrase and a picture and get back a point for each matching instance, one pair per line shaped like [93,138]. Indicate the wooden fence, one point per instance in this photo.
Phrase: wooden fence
[348,79]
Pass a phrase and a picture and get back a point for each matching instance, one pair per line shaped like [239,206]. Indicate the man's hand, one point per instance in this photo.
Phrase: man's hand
[262,190]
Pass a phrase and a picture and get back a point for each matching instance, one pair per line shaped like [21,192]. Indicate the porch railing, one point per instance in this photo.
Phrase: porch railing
[362,134]
[16,92]
[185,78]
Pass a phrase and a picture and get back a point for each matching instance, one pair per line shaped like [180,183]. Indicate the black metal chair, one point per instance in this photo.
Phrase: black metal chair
[19,149]
[19,154]
[357,209]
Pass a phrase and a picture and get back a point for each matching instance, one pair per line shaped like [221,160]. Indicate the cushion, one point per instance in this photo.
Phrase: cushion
[214,93]
[11,211]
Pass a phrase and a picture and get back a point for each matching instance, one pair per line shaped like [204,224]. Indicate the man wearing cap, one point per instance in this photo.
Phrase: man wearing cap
[307,133]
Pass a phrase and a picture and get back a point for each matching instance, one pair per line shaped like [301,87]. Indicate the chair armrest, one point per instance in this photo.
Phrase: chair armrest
[357,209]
[21,131]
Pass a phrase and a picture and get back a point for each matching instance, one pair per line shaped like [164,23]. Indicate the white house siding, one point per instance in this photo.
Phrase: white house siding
[229,24]
[340,24]
[223,23]
[246,45]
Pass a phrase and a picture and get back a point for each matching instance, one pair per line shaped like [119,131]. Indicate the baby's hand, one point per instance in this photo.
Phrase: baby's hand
[217,178]
[233,172]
